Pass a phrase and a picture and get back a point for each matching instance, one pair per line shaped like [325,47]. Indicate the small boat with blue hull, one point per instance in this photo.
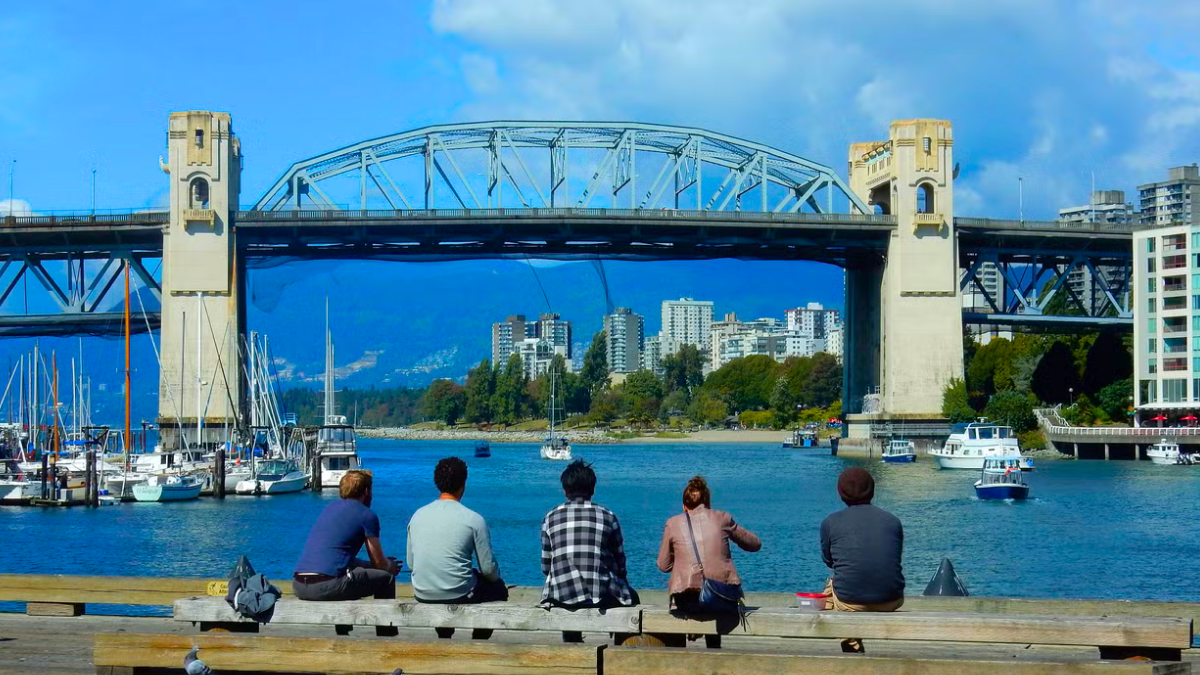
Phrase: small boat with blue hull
[1001,479]
[483,449]
[899,451]
[164,488]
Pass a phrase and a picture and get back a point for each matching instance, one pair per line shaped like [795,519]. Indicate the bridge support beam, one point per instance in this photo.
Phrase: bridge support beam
[919,307]
[202,313]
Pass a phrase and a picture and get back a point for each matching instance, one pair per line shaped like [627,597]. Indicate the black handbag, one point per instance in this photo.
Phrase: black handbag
[715,596]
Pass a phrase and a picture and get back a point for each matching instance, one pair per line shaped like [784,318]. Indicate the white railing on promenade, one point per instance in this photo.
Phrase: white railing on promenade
[1053,423]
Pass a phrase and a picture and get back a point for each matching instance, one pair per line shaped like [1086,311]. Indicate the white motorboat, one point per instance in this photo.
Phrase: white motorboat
[163,488]
[899,450]
[337,448]
[120,484]
[557,448]
[16,486]
[1001,478]
[275,476]
[1168,452]
[969,444]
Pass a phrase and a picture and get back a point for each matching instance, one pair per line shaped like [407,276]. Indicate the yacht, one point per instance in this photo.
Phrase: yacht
[275,476]
[337,448]
[557,448]
[164,488]
[1001,478]
[969,444]
[1167,452]
[16,486]
[898,450]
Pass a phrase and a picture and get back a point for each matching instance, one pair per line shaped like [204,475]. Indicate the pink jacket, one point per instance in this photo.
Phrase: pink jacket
[714,530]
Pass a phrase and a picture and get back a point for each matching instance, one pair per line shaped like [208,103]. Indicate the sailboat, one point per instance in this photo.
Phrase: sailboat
[337,443]
[556,447]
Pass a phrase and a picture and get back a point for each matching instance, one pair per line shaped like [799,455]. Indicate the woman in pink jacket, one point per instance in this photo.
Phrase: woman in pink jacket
[713,532]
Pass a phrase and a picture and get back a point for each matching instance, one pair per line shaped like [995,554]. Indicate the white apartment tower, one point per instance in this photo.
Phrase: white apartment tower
[686,322]
[626,333]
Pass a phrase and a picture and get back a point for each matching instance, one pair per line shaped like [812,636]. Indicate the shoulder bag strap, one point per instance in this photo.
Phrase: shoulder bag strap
[692,537]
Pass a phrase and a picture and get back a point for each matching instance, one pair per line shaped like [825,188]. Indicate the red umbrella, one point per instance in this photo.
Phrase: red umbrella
[1158,419]
[1190,418]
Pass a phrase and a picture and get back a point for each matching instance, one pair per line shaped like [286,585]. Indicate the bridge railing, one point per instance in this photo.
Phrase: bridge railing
[1003,224]
[108,217]
[567,212]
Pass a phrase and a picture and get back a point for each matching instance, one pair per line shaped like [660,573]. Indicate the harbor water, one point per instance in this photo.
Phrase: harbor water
[1090,529]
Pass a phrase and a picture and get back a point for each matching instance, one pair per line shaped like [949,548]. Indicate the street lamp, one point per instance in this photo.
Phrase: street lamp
[1071,393]
[12,170]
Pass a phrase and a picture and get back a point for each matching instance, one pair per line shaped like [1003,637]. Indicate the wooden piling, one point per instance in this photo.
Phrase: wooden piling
[219,474]
[89,476]
[45,475]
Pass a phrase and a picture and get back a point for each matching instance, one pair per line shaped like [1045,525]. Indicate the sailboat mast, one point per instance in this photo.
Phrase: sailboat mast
[330,403]
[199,374]
[54,393]
[128,393]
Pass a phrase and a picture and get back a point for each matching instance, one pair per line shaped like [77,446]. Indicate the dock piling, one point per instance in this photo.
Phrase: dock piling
[219,475]
[89,476]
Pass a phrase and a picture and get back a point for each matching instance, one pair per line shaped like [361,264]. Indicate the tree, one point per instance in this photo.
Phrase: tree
[1115,400]
[1107,361]
[1056,375]
[605,406]
[481,384]
[641,394]
[508,399]
[789,389]
[594,373]
[683,370]
[1012,409]
[707,408]
[991,370]
[674,403]
[824,383]
[444,401]
[956,405]
[745,383]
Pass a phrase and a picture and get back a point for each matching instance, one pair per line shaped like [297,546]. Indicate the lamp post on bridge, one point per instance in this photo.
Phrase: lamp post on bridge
[12,170]
[93,192]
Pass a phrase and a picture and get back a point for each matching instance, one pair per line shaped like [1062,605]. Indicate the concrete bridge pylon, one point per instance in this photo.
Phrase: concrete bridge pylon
[202,311]
[904,313]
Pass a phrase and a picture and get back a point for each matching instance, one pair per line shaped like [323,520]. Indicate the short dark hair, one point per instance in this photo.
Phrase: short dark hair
[578,480]
[355,484]
[450,475]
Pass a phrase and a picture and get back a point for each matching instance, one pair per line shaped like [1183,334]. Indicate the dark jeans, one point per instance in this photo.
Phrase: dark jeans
[607,602]
[360,581]
[484,591]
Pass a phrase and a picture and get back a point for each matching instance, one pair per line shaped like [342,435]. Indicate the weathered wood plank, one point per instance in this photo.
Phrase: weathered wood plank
[977,605]
[492,615]
[664,661]
[941,626]
[269,654]
[53,609]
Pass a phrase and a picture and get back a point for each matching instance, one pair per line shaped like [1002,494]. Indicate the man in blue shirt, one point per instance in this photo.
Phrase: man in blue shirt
[328,568]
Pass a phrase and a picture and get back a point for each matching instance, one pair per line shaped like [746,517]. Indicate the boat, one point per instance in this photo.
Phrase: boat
[483,449]
[899,450]
[16,486]
[969,444]
[1168,452]
[557,448]
[163,488]
[789,440]
[275,476]
[1001,478]
[337,442]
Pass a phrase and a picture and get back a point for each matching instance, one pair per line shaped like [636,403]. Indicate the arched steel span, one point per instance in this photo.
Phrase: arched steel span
[640,166]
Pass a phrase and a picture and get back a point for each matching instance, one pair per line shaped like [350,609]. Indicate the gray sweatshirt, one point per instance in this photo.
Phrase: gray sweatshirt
[443,537]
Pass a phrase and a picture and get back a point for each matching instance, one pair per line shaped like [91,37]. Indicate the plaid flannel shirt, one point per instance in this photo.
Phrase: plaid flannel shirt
[583,556]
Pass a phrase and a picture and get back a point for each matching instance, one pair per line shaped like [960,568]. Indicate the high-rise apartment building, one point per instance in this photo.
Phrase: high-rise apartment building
[626,334]
[506,336]
[1108,206]
[553,328]
[992,281]
[686,322]
[813,320]
[1175,201]
[652,353]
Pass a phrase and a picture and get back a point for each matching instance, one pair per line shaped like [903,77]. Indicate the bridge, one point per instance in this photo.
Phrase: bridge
[561,190]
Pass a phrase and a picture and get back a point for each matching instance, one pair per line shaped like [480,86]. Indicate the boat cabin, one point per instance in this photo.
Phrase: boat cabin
[1005,470]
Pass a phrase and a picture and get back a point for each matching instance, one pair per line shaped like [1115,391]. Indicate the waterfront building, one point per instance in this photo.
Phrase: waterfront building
[834,342]
[506,336]
[652,353]
[537,354]
[686,322]
[626,333]
[1107,206]
[733,339]
[1166,328]
[552,327]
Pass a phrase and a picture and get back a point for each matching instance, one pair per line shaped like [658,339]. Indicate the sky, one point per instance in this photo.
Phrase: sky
[1047,97]
[1053,92]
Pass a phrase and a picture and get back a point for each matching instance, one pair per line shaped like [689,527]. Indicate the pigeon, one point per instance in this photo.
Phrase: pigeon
[193,665]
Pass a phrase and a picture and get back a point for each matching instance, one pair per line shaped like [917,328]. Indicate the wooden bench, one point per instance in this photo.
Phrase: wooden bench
[660,661]
[127,653]
[214,613]
[1117,637]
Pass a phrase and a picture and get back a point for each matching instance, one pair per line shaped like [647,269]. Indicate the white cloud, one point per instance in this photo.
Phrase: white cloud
[1053,91]
[15,207]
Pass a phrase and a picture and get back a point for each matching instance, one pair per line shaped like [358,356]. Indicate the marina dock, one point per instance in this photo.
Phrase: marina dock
[1055,636]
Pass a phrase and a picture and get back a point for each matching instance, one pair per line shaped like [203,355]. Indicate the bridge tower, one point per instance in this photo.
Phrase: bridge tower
[200,371]
[904,314]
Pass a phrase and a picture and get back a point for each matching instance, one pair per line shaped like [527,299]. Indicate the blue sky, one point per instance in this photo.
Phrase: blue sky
[1050,91]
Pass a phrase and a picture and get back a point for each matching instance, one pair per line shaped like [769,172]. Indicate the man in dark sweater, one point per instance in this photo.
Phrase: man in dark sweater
[863,545]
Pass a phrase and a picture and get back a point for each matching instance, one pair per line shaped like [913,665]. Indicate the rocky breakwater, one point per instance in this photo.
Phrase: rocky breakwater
[407,434]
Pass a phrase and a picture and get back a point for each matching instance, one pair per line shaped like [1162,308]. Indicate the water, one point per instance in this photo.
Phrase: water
[1090,530]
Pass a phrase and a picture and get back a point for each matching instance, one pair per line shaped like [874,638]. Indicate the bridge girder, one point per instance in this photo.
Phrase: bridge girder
[562,164]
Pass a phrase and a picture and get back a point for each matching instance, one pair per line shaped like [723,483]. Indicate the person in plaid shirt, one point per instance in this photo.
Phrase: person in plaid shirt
[583,552]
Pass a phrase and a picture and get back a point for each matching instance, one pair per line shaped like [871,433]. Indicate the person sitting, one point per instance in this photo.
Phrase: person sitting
[583,551]
[863,545]
[328,568]
[706,531]
[444,537]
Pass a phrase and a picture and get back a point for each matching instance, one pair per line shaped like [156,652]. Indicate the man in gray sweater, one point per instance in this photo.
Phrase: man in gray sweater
[444,537]
[863,545]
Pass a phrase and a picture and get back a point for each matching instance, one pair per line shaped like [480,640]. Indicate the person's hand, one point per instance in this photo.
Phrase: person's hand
[394,566]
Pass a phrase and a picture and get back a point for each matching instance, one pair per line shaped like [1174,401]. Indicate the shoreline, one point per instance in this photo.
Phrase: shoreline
[588,437]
